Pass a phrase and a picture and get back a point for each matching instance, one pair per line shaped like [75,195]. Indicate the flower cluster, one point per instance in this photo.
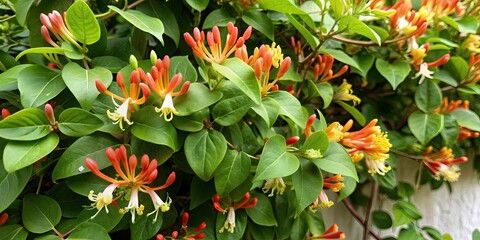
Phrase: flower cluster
[406,21]
[473,75]
[131,99]
[369,141]
[215,52]
[160,83]
[440,164]
[448,107]
[130,181]
[229,224]
[418,54]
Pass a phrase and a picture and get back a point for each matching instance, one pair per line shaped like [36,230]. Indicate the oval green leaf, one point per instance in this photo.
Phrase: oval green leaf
[25,125]
[39,84]
[82,23]
[395,72]
[262,214]
[308,183]
[337,161]
[231,172]
[428,96]
[76,122]
[425,126]
[40,213]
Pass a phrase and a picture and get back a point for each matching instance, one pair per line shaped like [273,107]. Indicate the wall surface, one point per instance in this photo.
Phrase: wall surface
[457,213]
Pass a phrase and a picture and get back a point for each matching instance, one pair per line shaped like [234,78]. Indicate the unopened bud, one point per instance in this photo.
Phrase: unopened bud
[199,236]
[292,140]
[100,87]
[3,218]
[160,237]
[49,113]
[184,219]
[133,62]
[5,113]
[174,234]
[153,57]
[200,227]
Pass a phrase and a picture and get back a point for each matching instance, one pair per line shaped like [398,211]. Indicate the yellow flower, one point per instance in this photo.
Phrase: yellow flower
[472,43]
[345,93]
[274,184]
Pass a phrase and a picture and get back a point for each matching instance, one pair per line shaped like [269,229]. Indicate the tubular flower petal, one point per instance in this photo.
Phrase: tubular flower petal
[345,93]
[120,114]
[129,180]
[214,52]
[406,21]
[448,107]
[272,185]
[331,233]
[322,70]
[321,201]
[334,132]
[440,164]
[370,141]
[423,73]
[167,110]
[334,183]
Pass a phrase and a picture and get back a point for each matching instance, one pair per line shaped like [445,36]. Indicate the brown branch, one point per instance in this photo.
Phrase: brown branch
[373,196]
[359,219]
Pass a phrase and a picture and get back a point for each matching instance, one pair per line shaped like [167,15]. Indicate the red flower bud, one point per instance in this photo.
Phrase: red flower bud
[3,218]
[184,219]
[160,237]
[5,113]
[292,140]
[49,113]
[100,87]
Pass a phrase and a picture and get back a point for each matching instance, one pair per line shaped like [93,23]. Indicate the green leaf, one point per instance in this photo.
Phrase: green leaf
[152,128]
[198,5]
[468,24]
[404,213]
[232,171]
[74,53]
[354,25]
[242,75]
[144,227]
[72,161]
[338,8]
[231,110]
[382,219]
[467,118]
[8,79]
[275,161]
[433,233]
[21,154]
[262,213]
[40,213]
[107,221]
[88,230]
[21,10]
[283,6]
[154,151]
[218,17]
[142,21]
[337,161]
[476,234]
[317,141]
[13,232]
[389,180]
[161,11]
[425,126]
[205,151]
[25,125]
[76,122]
[197,98]
[39,84]
[260,21]
[268,110]
[309,37]
[428,96]
[83,184]
[290,107]
[81,82]
[323,90]
[308,183]
[111,63]
[192,123]
[341,56]
[200,192]
[181,64]
[395,72]
[357,115]
[82,23]
[348,189]
[457,67]
[11,184]
[450,130]
[405,190]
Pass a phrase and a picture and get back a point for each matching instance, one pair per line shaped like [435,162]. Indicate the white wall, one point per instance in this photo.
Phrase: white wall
[457,214]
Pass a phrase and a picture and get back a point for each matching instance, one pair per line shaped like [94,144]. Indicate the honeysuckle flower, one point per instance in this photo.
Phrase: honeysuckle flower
[370,142]
[472,43]
[262,60]
[129,181]
[440,164]
[334,132]
[55,23]
[215,53]
[473,75]
[322,70]
[448,107]
[434,9]
[321,201]
[331,233]
[308,127]
[334,183]
[229,224]
[160,83]
[423,73]
[131,99]
[272,185]
[345,93]
[406,21]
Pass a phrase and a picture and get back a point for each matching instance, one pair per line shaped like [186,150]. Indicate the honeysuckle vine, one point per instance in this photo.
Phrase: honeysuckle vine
[233,119]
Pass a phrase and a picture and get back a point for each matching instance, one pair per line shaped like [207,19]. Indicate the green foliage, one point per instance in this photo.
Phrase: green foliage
[221,129]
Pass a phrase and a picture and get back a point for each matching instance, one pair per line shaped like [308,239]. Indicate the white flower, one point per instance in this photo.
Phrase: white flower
[120,114]
[449,174]
[133,205]
[102,199]
[167,109]
[229,222]
[159,204]
[423,73]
